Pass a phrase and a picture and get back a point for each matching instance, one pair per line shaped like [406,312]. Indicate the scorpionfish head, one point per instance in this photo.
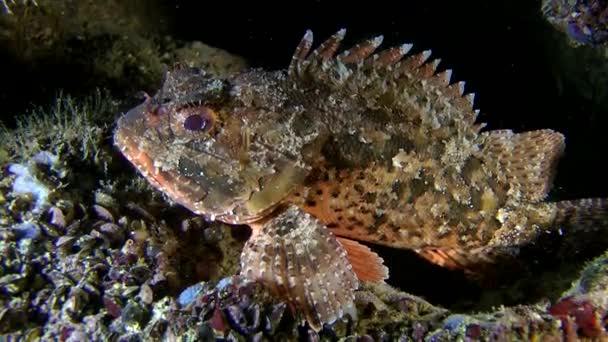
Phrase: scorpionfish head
[229,149]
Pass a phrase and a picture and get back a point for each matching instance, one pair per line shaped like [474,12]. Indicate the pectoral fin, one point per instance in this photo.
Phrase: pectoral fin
[302,262]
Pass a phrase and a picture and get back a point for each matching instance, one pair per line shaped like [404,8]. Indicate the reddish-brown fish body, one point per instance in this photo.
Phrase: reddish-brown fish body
[375,147]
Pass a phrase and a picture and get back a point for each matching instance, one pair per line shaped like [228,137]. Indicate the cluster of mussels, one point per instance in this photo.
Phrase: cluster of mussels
[83,276]
[80,272]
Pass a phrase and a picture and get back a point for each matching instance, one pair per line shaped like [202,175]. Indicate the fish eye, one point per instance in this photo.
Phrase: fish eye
[195,122]
[197,119]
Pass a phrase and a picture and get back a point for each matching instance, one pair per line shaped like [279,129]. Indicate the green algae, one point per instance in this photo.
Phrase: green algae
[70,126]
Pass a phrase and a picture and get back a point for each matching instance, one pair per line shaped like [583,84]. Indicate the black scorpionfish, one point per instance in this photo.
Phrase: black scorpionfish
[360,145]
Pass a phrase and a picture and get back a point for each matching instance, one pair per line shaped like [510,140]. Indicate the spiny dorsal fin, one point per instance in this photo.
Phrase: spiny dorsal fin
[354,66]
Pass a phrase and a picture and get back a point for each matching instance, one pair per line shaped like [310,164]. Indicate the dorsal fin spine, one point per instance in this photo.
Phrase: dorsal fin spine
[470,97]
[405,48]
[427,70]
[460,87]
[425,55]
[361,51]
[377,41]
[445,77]
[295,67]
[328,48]
[389,57]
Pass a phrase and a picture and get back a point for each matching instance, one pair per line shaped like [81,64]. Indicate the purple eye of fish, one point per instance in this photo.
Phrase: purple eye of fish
[195,122]
[196,118]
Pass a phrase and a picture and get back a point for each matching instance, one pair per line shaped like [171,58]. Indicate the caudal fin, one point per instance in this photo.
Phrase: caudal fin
[299,260]
[587,214]
[566,231]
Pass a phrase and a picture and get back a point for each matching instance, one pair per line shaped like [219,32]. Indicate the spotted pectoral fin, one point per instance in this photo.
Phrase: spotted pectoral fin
[527,161]
[302,262]
[367,265]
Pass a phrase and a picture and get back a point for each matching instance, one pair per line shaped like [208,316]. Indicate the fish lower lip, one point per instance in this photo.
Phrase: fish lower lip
[161,180]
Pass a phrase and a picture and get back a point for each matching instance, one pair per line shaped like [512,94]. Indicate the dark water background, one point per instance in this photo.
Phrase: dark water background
[504,50]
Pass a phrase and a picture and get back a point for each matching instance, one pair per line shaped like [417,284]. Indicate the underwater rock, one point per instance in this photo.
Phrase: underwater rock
[113,44]
[585,22]
[576,55]
[583,310]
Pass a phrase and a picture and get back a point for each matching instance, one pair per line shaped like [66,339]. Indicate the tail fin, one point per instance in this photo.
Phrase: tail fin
[576,232]
[573,231]
[587,214]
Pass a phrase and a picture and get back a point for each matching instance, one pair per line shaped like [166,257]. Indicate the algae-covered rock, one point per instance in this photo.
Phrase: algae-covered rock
[579,51]
[81,239]
[81,45]
[583,21]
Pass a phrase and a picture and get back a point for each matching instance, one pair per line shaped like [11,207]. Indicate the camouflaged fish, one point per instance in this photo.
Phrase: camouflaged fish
[377,147]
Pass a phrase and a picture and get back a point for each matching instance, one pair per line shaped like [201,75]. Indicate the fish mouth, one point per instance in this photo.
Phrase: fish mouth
[164,181]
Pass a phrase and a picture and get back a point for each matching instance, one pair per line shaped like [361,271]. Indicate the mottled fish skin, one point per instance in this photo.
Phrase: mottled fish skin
[376,147]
